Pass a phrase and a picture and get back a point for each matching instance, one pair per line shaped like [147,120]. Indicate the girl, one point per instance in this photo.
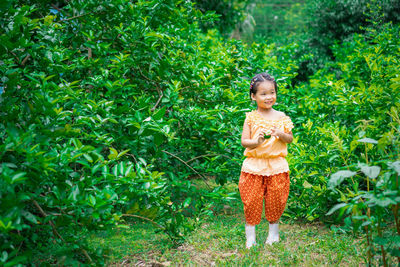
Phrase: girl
[265,171]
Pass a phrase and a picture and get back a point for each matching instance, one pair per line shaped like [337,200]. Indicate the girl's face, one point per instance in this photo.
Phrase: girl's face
[266,95]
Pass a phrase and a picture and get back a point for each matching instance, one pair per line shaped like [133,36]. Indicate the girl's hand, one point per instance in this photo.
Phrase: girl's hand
[260,138]
[276,132]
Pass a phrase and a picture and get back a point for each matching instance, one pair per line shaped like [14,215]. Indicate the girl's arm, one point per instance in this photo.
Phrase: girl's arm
[246,141]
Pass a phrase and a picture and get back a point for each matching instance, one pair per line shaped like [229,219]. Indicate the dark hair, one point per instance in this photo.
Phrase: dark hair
[259,78]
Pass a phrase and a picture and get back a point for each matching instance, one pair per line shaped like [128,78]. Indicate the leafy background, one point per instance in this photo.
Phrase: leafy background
[109,110]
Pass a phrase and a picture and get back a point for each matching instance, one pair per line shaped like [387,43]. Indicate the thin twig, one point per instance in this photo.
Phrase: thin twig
[78,16]
[19,247]
[50,221]
[74,17]
[157,87]
[16,58]
[133,156]
[56,7]
[25,60]
[153,222]
[158,101]
[181,160]
[141,73]
[55,230]
[209,155]
[205,100]
[144,218]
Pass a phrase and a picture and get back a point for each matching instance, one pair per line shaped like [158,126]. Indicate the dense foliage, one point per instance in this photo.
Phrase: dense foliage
[334,20]
[110,109]
[229,12]
[85,141]
[316,25]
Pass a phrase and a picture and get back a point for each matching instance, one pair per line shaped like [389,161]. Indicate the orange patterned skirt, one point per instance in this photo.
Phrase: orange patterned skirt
[255,188]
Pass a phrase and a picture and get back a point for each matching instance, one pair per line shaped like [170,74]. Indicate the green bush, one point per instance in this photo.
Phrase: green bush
[331,21]
[104,118]
[353,102]
[229,12]
[81,128]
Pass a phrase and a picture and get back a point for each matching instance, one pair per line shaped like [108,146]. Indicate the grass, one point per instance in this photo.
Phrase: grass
[220,240]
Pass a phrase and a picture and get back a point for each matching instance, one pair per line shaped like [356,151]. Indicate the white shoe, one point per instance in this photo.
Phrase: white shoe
[273,234]
[250,235]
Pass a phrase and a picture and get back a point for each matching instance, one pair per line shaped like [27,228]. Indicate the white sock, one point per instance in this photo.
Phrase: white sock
[273,234]
[250,235]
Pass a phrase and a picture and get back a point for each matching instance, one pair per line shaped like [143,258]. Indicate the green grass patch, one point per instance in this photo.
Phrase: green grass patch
[221,240]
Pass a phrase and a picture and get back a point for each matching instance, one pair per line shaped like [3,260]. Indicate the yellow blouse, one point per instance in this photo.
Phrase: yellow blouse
[267,158]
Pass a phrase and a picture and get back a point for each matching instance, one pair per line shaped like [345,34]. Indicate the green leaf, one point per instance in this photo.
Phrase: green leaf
[158,139]
[307,184]
[29,216]
[361,217]
[336,207]
[338,177]
[123,153]
[4,256]
[77,143]
[124,226]
[160,113]
[366,223]
[187,202]
[154,34]
[368,140]
[74,193]
[128,170]
[113,154]
[19,177]
[105,170]
[370,171]
[115,170]
[381,202]
[88,157]
[395,166]
[84,163]
[5,227]
[92,200]
[95,168]
[121,168]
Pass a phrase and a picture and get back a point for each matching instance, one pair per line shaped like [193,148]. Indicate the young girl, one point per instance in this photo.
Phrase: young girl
[265,171]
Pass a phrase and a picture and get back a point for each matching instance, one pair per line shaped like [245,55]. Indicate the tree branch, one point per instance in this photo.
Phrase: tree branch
[158,101]
[55,230]
[209,155]
[78,16]
[157,87]
[50,221]
[144,218]
[133,156]
[25,60]
[181,160]
[141,73]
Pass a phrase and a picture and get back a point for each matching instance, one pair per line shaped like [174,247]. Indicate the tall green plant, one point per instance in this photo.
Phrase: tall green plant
[372,199]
